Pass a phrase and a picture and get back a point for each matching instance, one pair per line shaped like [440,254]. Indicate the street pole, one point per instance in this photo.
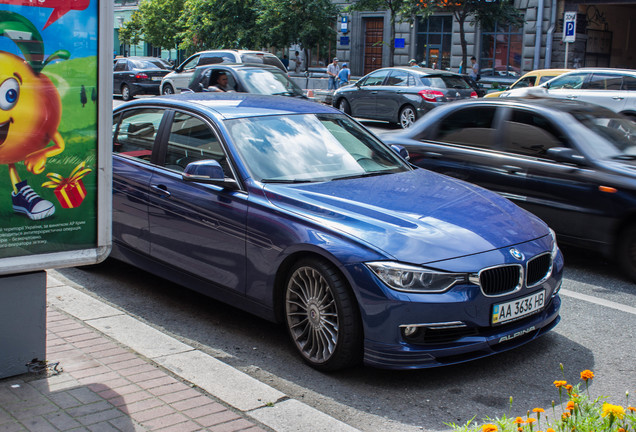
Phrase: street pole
[567,45]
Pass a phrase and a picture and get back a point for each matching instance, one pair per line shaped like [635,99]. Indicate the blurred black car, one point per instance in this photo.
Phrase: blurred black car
[247,78]
[401,94]
[571,163]
[138,75]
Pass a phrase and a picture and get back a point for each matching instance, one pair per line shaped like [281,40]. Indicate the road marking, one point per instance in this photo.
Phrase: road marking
[599,301]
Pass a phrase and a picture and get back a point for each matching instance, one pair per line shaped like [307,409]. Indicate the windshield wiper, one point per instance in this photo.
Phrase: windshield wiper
[624,157]
[285,93]
[288,181]
[366,174]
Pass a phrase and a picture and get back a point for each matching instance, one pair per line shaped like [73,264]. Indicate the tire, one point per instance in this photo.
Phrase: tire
[626,251]
[343,106]
[125,93]
[322,316]
[407,116]
[167,89]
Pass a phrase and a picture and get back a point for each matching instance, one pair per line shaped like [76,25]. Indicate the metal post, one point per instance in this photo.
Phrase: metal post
[567,45]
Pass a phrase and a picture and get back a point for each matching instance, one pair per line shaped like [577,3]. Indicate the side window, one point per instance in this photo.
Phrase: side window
[376,78]
[530,134]
[398,78]
[629,83]
[191,140]
[136,133]
[525,82]
[599,81]
[572,81]
[120,66]
[471,126]
[192,63]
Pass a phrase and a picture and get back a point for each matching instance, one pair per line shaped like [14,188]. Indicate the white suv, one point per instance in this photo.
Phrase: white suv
[180,77]
[614,89]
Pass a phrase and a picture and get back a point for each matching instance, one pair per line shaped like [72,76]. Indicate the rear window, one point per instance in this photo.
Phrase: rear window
[148,64]
[445,81]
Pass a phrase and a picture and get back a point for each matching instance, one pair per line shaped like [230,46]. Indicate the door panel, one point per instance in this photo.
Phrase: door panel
[373,37]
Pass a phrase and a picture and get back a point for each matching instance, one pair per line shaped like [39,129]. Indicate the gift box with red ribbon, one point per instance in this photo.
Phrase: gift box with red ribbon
[70,191]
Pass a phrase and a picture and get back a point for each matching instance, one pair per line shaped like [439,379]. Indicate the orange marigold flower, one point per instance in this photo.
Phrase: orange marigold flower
[587,374]
[565,415]
[570,405]
[519,429]
[538,410]
[621,430]
[614,410]
[631,408]
[558,384]
[531,420]
[489,428]
[569,388]
[519,420]
[550,430]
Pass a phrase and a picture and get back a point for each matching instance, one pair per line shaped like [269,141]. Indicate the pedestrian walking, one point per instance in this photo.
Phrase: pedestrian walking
[332,71]
[413,63]
[343,75]
[297,62]
[474,71]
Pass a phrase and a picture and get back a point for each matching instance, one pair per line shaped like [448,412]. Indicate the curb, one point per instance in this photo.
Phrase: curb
[235,388]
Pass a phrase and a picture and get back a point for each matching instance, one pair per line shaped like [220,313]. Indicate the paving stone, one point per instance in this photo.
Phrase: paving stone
[217,418]
[169,420]
[62,421]
[102,416]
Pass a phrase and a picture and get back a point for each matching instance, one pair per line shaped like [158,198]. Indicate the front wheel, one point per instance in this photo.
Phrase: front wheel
[343,106]
[167,89]
[322,317]
[626,252]
[125,93]
[407,116]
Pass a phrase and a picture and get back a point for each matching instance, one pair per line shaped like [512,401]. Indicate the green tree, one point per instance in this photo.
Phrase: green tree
[485,13]
[157,21]
[305,22]
[217,24]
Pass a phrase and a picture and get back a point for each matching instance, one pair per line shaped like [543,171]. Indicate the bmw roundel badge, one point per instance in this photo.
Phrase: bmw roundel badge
[516,254]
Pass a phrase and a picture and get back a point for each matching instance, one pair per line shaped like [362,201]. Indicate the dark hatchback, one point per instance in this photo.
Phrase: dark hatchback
[401,95]
[138,75]
[291,210]
[572,164]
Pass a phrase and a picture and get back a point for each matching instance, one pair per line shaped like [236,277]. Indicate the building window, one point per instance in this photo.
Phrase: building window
[434,39]
[501,49]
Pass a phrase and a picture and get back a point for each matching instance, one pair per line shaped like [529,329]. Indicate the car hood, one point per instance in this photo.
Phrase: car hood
[418,216]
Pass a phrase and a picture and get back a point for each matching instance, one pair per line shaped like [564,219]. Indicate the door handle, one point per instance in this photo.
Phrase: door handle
[432,154]
[512,169]
[160,190]
[571,96]
[618,98]
[374,92]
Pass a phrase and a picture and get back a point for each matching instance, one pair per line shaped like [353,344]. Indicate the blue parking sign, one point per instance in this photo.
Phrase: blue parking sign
[569,27]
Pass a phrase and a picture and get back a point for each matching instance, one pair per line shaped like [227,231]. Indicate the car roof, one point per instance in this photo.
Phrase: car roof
[544,103]
[236,105]
[601,69]
[239,66]
[423,71]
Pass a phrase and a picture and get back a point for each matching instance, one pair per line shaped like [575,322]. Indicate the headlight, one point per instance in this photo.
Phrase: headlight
[555,246]
[403,277]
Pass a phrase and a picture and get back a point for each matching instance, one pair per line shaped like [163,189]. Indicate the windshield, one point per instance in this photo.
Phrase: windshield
[310,147]
[271,82]
[149,64]
[619,132]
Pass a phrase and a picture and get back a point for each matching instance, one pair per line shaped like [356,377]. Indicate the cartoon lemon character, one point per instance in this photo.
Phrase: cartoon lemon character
[30,112]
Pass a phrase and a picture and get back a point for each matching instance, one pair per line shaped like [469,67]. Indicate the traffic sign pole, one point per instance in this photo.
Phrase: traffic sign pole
[569,32]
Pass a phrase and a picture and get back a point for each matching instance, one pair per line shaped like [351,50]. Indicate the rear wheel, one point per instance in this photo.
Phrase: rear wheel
[626,251]
[407,116]
[167,89]
[125,92]
[343,106]
[321,316]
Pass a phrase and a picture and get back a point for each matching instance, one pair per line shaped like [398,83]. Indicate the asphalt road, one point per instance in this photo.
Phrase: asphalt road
[596,332]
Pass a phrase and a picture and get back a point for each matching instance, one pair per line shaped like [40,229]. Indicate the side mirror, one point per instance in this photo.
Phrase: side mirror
[210,172]
[547,86]
[401,151]
[566,155]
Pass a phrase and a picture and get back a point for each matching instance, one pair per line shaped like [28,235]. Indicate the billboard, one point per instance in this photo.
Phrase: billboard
[55,132]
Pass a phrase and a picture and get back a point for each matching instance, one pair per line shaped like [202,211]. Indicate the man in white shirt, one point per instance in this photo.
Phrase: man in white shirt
[332,70]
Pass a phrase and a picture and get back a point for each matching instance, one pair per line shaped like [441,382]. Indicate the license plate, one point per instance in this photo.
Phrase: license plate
[504,312]
[156,78]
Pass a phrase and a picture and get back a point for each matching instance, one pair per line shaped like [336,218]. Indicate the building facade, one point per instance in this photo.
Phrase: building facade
[605,34]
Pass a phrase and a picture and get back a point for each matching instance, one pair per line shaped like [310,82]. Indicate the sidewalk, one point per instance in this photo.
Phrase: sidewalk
[116,373]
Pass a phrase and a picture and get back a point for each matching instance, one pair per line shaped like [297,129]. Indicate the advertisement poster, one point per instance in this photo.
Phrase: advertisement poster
[49,123]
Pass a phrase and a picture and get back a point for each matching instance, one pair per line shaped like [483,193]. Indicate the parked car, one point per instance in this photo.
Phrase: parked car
[292,211]
[401,94]
[531,79]
[571,163]
[614,89]
[180,78]
[138,75]
[248,78]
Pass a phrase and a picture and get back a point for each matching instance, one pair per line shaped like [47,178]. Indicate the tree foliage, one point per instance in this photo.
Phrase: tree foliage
[217,24]
[305,22]
[131,32]
[158,21]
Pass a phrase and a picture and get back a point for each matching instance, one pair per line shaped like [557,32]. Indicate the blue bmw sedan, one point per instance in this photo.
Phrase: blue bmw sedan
[292,211]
